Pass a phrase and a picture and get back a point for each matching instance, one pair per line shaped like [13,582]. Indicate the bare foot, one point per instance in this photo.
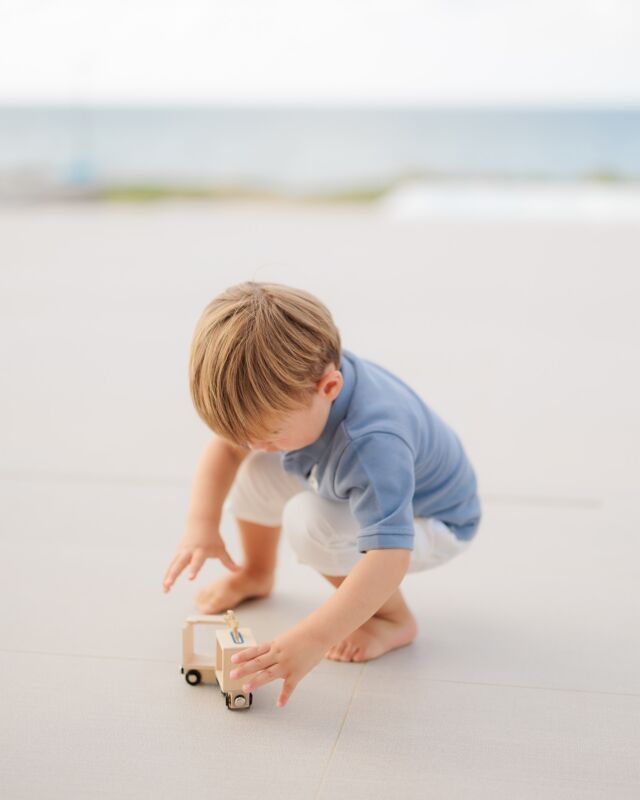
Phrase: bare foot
[377,636]
[232,589]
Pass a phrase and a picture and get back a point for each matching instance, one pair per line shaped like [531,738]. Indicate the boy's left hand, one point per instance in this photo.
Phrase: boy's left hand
[289,656]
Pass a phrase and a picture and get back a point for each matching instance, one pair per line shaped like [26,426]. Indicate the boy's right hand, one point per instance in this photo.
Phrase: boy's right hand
[197,545]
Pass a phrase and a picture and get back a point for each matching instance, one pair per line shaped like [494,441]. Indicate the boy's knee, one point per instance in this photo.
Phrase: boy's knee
[255,473]
[260,489]
[321,533]
[255,463]
[301,517]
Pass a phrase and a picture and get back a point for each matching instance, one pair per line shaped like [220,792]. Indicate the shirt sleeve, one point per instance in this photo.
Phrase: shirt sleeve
[376,472]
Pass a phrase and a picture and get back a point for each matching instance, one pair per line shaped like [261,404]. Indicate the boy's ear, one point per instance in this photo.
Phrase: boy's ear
[334,380]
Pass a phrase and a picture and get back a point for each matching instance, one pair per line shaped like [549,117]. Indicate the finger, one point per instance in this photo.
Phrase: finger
[179,563]
[261,661]
[249,667]
[165,578]
[176,566]
[228,561]
[251,652]
[285,693]
[197,561]
[263,677]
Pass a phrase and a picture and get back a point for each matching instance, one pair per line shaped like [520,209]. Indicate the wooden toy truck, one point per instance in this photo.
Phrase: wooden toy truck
[230,639]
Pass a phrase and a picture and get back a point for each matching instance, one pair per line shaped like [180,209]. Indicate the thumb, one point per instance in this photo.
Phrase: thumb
[228,561]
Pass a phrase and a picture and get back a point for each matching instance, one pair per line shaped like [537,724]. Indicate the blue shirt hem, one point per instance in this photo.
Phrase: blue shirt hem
[385,540]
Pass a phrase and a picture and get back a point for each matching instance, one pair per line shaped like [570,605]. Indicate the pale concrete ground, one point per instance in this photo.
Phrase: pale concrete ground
[524,681]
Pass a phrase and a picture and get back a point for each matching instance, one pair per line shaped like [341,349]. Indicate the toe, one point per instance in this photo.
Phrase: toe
[334,652]
[344,652]
[348,652]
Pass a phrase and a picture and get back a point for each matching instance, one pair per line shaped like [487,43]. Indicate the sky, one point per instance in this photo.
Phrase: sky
[444,52]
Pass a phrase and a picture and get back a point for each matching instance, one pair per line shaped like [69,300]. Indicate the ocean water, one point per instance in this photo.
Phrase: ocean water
[551,201]
[310,149]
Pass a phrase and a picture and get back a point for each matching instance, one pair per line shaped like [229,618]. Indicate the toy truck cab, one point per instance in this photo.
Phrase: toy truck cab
[199,668]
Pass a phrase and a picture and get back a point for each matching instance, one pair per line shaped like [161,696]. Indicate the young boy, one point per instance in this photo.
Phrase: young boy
[367,482]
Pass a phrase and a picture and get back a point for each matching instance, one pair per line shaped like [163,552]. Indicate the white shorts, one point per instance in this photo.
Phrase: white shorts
[322,532]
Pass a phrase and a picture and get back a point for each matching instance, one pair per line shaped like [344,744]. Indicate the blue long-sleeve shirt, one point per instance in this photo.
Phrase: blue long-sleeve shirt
[391,457]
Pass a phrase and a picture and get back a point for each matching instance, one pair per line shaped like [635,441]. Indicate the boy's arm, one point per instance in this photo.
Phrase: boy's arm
[291,655]
[214,476]
[365,589]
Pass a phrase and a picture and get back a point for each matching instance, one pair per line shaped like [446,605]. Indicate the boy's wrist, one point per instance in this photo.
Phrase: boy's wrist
[312,628]
[210,518]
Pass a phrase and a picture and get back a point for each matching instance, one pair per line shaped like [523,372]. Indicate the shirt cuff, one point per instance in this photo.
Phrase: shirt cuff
[386,540]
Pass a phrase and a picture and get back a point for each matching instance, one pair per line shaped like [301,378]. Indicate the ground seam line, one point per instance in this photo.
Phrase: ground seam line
[424,680]
[344,719]
[496,499]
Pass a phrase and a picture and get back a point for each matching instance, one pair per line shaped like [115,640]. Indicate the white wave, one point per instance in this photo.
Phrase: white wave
[516,201]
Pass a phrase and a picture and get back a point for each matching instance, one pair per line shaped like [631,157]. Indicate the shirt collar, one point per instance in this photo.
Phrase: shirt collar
[311,453]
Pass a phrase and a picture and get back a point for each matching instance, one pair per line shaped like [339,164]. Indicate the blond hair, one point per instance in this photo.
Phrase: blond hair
[259,350]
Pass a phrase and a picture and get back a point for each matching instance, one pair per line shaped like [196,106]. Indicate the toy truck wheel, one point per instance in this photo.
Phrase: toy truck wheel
[193,677]
[240,701]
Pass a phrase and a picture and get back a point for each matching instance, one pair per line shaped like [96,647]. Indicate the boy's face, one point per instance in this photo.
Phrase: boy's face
[304,426]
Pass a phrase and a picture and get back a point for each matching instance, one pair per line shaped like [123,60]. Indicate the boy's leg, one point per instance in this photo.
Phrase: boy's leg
[323,534]
[259,492]
[255,579]
[392,626]
[259,546]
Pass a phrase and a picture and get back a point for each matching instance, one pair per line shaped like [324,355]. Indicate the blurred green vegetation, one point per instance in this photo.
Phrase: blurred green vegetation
[148,193]
[152,192]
